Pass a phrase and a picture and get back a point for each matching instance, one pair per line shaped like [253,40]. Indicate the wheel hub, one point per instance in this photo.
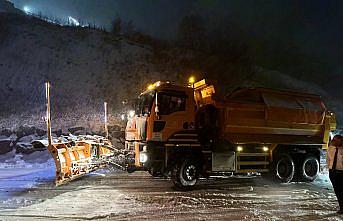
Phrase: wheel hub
[283,168]
[190,172]
[311,168]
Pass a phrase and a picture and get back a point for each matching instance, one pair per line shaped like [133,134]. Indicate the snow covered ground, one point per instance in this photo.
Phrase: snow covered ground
[21,172]
[108,195]
[27,192]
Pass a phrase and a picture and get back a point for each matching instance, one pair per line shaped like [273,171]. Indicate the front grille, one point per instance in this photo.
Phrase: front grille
[159,126]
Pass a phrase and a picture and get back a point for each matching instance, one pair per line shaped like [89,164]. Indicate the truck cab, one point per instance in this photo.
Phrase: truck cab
[164,114]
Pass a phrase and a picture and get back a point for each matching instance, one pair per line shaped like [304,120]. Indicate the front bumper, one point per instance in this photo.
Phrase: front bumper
[147,154]
[139,150]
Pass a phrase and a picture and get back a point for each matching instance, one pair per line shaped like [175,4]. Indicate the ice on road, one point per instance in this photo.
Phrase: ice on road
[15,180]
[107,195]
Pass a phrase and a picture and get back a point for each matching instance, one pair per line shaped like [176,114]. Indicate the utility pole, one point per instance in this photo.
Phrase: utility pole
[106,128]
[48,113]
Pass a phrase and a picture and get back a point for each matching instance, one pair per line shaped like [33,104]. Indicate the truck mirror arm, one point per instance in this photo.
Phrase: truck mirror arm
[156,107]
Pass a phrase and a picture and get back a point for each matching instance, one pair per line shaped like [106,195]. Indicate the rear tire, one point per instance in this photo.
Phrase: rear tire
[284,168]
[309,168]
[185,174]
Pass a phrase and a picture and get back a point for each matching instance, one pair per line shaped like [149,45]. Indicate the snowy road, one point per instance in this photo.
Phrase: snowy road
[107,195]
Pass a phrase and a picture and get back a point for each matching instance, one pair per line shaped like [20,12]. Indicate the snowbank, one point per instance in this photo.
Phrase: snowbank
[19,172]
[41,159]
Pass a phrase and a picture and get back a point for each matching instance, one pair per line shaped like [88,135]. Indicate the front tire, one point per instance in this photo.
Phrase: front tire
[284,169]
[309,168]
[185,174]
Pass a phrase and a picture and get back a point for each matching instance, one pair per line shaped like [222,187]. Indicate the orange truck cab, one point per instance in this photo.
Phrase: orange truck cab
[191,132]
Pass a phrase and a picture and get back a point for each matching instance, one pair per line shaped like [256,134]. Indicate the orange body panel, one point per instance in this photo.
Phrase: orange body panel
[261,115]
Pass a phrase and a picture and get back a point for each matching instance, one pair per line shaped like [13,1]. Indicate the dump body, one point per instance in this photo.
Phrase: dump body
[257,115]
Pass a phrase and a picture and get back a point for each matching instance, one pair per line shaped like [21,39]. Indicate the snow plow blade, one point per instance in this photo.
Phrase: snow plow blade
[79,156]
[76,156]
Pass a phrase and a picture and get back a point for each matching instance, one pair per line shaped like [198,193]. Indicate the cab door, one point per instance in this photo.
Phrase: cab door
[175,113]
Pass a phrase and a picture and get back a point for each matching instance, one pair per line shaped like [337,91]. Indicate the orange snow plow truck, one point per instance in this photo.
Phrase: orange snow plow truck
[192,132]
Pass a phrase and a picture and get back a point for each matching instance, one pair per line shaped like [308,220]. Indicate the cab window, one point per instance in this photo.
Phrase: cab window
[168,104]
[144,103]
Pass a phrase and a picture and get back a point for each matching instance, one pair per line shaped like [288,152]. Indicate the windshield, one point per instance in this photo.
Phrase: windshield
[144,103]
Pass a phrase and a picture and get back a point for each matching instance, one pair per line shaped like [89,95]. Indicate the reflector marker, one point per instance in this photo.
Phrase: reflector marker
[183,145]
[185,135]
[186,140]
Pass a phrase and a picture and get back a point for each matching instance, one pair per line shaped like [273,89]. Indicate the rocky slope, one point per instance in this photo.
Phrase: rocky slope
[85,67]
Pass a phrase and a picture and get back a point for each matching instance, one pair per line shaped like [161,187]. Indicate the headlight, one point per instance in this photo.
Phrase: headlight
[122,117]
[131,113]
[143,157]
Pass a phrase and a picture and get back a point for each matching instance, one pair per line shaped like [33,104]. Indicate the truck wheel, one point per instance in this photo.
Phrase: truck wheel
[309,168]
[284,169]
[185,174]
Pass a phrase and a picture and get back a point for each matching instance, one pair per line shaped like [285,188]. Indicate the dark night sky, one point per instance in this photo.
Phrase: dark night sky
[160,17]
[314,25]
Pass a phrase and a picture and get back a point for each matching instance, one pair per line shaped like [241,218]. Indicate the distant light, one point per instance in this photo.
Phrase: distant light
[73,21]
[265,149]
[239,148]
[27,9]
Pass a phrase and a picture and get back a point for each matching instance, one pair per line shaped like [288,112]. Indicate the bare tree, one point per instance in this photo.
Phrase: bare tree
[116,28]
[129,29]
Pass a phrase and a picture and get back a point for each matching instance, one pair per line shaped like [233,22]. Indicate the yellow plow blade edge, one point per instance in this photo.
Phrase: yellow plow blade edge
[79,156]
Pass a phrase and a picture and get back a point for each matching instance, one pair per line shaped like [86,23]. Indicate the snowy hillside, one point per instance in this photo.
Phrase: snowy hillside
[8,7]
[87,67]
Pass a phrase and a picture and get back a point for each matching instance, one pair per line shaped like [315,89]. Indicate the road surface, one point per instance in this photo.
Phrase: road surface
[108,195]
